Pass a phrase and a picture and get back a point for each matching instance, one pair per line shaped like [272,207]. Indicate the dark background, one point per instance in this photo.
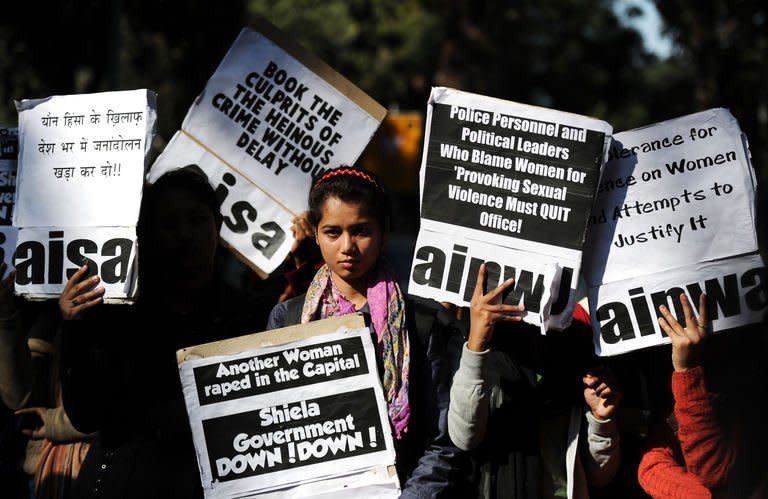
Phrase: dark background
[565,54]
[569,55]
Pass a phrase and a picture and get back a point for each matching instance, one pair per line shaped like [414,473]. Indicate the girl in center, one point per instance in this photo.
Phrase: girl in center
[349,210]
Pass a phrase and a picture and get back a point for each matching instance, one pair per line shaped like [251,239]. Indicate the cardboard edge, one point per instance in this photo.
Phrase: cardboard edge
[273,337]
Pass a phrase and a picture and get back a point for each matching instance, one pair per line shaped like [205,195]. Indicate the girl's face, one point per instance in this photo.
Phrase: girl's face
[350,240]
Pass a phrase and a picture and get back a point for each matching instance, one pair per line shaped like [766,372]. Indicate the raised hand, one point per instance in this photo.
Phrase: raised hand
[601,393]
[485,311]
[80,294]
[686,340]
[301,229]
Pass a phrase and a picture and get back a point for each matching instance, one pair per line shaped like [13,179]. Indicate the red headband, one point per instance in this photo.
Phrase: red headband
[347,171]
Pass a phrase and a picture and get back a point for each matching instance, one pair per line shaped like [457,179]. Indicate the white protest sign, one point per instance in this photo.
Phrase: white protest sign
[274,117]
[82,160]
[674,212]
[269,237]
[625,313]
[281,414]
[84,156]
[448,264]
[47,257]
[667,193]
[9,151]
[519,177]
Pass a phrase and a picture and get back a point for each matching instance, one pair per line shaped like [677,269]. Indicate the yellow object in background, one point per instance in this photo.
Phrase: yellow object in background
[394,153]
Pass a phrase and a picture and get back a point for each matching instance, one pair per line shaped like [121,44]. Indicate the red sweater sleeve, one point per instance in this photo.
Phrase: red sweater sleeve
[706,449]
[661,473]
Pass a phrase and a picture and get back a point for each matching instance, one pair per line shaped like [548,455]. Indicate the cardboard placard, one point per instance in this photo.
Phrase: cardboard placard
[278,410]
[82,160]
[511,184]
[674,213]
[271,119]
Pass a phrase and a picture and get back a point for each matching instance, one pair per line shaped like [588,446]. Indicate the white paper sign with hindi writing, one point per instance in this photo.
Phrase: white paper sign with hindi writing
[674,213]
[517,178]
[82,160]
[270,120]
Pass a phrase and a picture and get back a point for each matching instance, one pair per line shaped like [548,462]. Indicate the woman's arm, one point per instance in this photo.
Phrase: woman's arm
[602,456]
[661,473]
[441,469]
[468,415]
[55,426]
[16,369]
[468,412]
[706,448]
[705,445]
[88,376]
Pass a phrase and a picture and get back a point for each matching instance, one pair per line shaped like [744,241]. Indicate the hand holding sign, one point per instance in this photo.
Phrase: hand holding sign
[485,310]
[686,341]
[505,182]
[678,196]
[80,293]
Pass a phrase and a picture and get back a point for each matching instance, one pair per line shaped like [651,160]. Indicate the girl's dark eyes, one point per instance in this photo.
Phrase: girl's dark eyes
[362,231]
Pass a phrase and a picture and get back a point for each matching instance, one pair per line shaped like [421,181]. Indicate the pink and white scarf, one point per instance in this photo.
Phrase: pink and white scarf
[387,307]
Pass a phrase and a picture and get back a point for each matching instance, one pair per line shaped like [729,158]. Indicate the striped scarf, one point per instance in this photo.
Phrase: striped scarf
[387,307]
[58,468]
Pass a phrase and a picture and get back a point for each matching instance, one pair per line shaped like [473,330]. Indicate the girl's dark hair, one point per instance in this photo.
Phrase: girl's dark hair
[351,185]
[189,178]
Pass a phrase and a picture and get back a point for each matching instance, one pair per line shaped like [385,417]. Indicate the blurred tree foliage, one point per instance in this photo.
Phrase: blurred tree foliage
[569,55]
[566,54]
[722,60]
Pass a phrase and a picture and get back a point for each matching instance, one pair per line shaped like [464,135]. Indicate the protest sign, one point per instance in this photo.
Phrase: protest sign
[517,177]
[674,212]
[278,410]
[82,160]
[271,119]
[9,151]
[625,313]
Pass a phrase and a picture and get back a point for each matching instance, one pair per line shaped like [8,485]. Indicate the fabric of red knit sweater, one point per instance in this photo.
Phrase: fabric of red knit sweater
[696,463]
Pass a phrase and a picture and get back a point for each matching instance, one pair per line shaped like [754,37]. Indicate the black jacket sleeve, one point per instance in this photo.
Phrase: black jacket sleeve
[441,469]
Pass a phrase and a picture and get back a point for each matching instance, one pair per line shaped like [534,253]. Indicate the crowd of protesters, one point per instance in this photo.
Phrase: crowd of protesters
[480,404]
